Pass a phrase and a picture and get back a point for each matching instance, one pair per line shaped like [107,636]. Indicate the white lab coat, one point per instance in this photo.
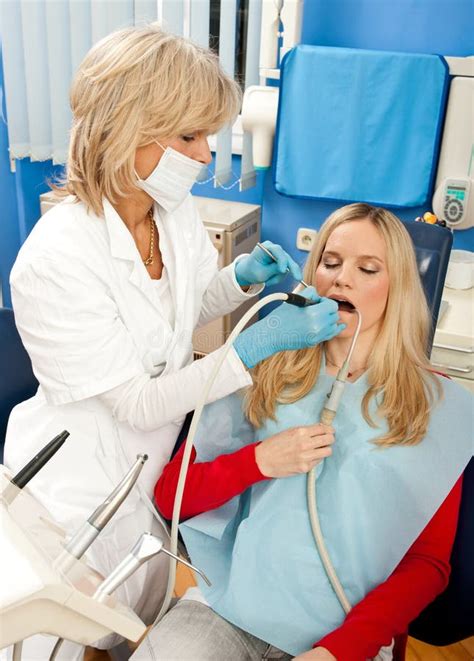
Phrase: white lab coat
[90,319]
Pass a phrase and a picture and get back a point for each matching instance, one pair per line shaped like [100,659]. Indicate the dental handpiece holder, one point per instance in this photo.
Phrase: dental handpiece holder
[36,595]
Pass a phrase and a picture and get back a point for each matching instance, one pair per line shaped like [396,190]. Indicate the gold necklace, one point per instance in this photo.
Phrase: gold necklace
[149,261]
[349,374]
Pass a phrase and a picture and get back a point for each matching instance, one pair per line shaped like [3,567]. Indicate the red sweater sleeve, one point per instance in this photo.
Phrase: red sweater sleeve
[388,609]
[209,484]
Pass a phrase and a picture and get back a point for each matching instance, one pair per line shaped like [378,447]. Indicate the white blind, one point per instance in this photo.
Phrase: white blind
[199,22]
[227,28]
[247,172]
[44,41]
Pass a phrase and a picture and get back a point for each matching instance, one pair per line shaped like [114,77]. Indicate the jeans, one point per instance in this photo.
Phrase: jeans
[192,631]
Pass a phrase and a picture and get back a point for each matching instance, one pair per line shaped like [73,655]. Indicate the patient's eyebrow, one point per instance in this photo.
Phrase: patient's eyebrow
[333,253]
[371,257]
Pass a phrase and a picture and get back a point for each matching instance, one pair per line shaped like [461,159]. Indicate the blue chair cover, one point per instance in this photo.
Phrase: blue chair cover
[359,125]
[17,381]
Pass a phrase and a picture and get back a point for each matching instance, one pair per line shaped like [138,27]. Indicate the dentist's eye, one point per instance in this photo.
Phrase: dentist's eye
[187,138]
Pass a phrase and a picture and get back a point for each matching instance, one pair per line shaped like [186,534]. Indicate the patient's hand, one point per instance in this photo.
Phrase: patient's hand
[294,450]
[318,654]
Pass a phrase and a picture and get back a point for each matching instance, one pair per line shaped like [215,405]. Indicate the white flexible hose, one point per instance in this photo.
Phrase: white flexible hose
[327,416]
[321,546]
[322,550]
[190,440]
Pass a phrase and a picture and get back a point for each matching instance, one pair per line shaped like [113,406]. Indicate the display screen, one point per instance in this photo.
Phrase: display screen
[458,193]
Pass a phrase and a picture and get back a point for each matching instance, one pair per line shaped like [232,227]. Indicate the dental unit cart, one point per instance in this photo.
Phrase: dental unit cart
[453,346]
[37,598]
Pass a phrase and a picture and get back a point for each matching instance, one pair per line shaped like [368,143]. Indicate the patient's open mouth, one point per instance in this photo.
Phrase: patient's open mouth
[344,305]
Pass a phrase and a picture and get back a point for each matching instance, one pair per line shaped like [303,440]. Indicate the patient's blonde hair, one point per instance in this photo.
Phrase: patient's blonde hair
[398,368]
[134,86]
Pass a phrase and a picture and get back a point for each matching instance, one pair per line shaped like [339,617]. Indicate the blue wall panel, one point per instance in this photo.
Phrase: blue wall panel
[444,27]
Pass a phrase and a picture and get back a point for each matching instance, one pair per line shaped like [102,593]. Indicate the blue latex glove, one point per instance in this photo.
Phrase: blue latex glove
[258,267]
[288,328]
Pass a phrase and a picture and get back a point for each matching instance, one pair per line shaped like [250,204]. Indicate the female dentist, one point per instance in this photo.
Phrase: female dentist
[112,282]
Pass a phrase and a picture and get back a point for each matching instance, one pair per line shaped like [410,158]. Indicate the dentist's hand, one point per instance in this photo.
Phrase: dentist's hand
[294,451]
[289,327]
[258,267]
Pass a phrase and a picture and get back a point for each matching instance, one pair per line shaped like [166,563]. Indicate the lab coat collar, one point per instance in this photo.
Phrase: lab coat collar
[122,247]
[122,244]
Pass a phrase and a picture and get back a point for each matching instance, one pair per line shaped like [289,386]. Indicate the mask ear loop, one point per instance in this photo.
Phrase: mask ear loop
[136,173]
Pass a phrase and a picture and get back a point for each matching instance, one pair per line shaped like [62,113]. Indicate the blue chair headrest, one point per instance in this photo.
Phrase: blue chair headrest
[432,245]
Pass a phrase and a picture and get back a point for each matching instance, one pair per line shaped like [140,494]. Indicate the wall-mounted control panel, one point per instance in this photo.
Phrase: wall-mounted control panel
[452,199]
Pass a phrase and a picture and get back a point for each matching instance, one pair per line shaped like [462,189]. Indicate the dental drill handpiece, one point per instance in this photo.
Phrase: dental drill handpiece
[145,548]
[266,251]
[88,532]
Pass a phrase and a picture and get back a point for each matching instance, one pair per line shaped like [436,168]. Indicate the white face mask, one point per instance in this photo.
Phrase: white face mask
[172,179]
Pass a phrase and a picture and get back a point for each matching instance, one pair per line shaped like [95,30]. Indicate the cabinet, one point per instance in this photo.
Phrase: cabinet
[234,228]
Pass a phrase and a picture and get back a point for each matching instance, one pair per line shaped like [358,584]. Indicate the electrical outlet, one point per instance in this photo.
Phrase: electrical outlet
[305,238]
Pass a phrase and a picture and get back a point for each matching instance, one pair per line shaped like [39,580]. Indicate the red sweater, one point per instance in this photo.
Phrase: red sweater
[387,610]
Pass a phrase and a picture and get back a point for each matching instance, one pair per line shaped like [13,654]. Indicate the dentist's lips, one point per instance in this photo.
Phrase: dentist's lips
[344,304]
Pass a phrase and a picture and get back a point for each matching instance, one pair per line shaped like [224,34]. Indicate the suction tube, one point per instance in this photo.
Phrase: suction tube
[327,416]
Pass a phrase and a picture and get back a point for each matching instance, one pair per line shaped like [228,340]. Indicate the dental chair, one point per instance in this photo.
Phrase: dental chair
[450,618]
[17,381]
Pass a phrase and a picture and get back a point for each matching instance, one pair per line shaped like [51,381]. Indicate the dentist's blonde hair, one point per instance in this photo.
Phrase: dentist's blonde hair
[135,86]
[399,373]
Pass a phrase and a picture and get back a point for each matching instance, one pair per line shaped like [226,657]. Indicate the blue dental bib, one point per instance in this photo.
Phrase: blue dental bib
[258,549]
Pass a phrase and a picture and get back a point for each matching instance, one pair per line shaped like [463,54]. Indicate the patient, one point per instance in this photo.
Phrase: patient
[388,476]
